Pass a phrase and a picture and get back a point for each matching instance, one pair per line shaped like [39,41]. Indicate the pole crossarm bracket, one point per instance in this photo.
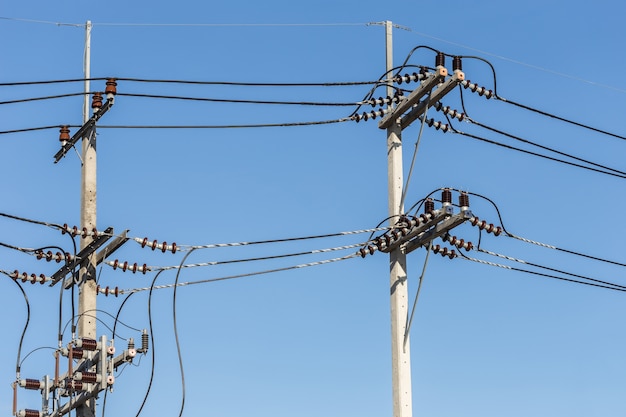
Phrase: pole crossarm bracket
[82,256]
[84,130]
[115,244]
[432,98]
[432,80]
[439,230]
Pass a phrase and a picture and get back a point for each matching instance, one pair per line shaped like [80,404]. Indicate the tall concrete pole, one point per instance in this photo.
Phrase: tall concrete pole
[400,351]
[87,288]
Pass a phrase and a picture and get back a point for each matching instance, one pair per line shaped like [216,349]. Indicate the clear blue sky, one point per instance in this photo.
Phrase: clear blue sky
[313,342]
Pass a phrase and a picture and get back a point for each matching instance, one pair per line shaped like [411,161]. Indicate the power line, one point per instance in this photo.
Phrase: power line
[509,135]
[269,271]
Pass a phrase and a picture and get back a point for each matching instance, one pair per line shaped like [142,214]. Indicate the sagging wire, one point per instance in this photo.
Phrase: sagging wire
[592,284]
[262,258]
[175,322]
[545,245]
[244,275]
[21,342]
[150,326]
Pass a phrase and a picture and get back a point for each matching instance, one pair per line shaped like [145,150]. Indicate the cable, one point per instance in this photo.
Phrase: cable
[417,143]
[242,126]
[417,294]
[19,349]
[562,119]
[262,258]
[210,280]
[509,258]
[194,82]
[25,100]
[24,219]
[545,245]
[469,135]
[541,274]
[223,100]
[145,398]
[509,135]
[259,242]
[175,322]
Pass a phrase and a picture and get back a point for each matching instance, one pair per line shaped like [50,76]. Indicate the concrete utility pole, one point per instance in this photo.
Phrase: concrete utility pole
[87,288]
[400,352]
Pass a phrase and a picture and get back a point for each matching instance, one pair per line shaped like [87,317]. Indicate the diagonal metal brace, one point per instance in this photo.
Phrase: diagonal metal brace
[83,131]
[423,89]
[115,244]
[82,256]
[439,230]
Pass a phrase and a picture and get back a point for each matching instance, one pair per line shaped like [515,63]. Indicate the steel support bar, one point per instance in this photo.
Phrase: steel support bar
[416,95]
[83,131]
[115,244]
[434,97]
[82,256]
[439,230]
[436,217]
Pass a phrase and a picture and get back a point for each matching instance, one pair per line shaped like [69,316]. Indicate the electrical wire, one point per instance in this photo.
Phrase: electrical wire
[237,101]
[26,100]
[261,258]
[175,323]
[249,274]
[282,240]
[19,348]
[240,126]
[152,367]
[193,82]
[545,245]
[417,294]
[562,119]
[609,287]
[417,143]
[510,258]
[509,135]
[482,139]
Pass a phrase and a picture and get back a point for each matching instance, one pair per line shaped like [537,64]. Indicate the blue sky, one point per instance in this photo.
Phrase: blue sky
[315,341]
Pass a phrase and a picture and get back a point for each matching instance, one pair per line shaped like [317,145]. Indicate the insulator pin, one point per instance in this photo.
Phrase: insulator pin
[457,65]
[106,291]
[64,136]
[440,60]
[446,196]
[444,251]
[96,102]
[464,199]
[429,205]
[438,125]
[144,341]
[110,89]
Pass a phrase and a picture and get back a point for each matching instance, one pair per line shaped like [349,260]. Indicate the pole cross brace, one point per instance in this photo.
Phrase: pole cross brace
[439,230]
[82,256]
[424,88]
[83,131]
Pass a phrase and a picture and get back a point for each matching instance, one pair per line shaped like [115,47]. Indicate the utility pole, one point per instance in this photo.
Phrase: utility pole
[400,351]
[87,288]
[432,88]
